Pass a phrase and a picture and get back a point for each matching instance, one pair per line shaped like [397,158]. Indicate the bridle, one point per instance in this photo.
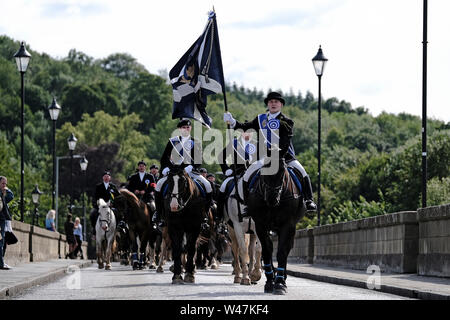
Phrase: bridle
[108,217]
[178,196]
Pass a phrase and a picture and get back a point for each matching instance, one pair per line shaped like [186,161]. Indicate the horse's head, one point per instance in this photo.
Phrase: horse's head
[180,189]
[104,214]
[272,186]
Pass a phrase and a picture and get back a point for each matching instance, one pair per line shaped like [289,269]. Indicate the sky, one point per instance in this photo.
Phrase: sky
[374,48]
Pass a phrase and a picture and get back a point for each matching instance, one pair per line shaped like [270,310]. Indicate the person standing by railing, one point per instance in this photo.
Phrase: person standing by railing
[6,196]
[78,232]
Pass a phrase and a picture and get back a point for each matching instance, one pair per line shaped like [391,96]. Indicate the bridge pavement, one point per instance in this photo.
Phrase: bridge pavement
[24,276]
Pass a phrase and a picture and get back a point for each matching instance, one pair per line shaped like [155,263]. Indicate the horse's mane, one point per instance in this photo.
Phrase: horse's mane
[101,202]
[131,197]
[191,185]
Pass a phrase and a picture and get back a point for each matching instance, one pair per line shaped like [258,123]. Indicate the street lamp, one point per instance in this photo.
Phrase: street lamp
[35,195]
[72,142]
[83,165]
[54,110]
[22,59]
[319,62]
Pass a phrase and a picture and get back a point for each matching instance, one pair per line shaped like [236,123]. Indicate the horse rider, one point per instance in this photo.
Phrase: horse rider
[154,170]
[273,125]
[242,151]
[142,184]
[186,152]
[105,190]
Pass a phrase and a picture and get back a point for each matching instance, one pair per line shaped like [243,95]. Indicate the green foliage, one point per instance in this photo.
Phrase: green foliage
[121,113]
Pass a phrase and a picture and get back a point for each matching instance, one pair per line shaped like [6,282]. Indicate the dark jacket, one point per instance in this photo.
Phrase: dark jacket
[4,214]
[148,184]
[285,132]
[181,156]
[107,195]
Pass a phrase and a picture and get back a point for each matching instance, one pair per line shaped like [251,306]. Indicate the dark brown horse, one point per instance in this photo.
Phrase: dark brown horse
[276,204]
[184,210]
[137,216]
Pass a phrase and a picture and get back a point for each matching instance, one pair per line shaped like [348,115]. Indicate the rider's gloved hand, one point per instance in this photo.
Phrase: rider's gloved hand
[165,171]
[229,172]
[228,118]
[188,169]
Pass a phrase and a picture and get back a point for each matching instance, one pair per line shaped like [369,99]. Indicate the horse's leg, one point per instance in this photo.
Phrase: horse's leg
[134,249]
[243,241]
[235,250]
[191,239]
[176,238]
[262,231]
[99,252]
[254,269]
[143,248]
[258,253]
[109,244]
[285,244]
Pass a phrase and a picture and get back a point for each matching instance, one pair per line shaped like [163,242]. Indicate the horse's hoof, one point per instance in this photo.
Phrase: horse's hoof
[189,278]
[245,281]
[177,279]
[268,287]
[171,268]
[100,265]
[255,277]
[152,266]
[108,267]
[280,288]
[160,270]
[214,267]
[237,279]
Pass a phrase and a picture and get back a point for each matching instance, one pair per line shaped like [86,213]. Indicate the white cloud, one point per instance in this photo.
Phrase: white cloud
[374,47]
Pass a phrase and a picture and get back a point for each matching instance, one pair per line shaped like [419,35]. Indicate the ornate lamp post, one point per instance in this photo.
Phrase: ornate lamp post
[72,142]
[83,165]
[319,62]
[35,195]
[54,109]
[22,59]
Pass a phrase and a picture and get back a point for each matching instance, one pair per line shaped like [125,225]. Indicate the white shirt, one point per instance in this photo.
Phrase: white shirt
[106,185]
[273,115]
[141,175]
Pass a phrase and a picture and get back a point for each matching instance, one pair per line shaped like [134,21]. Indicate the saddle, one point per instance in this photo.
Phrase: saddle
[293,172]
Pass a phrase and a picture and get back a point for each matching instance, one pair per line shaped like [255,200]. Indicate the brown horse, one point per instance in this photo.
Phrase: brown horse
[137,216]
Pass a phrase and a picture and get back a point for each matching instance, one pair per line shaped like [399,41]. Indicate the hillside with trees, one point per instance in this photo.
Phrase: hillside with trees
[121,113]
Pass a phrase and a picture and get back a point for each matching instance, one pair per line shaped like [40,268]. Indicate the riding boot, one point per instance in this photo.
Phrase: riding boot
[220,205]
[245,190]
[307,192]
[159,202]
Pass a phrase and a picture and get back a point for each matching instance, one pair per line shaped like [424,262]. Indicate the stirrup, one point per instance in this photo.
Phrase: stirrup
[310,205]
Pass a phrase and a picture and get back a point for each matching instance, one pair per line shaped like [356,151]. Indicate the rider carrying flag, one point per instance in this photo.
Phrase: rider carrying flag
[277,130]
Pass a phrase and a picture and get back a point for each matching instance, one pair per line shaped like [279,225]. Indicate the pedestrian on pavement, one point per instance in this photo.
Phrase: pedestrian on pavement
[6,196]
[70,237]
[78,232]
[50,220]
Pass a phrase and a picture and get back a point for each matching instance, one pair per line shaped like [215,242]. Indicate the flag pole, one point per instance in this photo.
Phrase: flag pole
[230,137]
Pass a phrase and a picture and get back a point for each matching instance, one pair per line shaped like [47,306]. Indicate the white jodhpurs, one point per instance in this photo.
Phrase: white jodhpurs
[255,166]
[195,176]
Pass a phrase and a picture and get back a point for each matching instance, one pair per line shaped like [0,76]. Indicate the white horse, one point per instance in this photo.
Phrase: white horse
[247,255]
[105,229]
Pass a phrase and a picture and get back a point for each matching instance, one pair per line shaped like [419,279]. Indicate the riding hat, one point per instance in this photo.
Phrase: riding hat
[210,175]
[274,95]
[142,162]
[184,122]
[107,172]
[203,170]
[153,166]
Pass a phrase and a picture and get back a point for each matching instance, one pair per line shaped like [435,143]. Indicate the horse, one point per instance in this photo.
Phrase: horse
[247,256]
[206,247]
[184,209]
[137,216]
[105,229]
[275,202]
